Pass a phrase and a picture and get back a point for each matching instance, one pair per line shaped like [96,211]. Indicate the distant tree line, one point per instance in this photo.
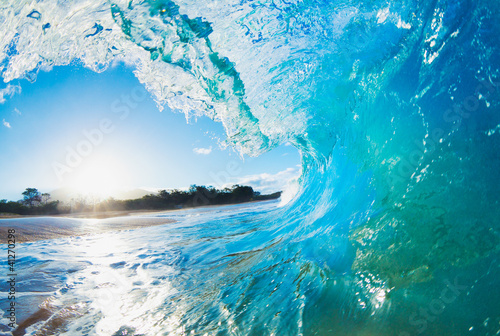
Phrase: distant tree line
[36,203]
[33,203]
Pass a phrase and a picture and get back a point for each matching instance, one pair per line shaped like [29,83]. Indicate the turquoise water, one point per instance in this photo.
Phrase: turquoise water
[394,108]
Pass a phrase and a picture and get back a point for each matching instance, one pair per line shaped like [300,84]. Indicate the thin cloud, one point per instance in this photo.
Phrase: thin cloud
[203,151]
[268,183]
[9,91]
[6,124]
[16,111]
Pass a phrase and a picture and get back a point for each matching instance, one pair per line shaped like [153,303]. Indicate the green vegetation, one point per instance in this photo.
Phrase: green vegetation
[36,203]
[33,203]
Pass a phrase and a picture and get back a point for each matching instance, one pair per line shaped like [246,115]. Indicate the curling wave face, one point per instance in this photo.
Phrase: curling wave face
[394,108]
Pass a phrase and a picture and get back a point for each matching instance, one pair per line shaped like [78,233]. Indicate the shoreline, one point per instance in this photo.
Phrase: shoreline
[89,215]
[121,213]
[31,228]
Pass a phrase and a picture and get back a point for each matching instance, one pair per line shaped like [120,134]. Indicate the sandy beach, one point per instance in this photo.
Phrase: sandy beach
[32,228]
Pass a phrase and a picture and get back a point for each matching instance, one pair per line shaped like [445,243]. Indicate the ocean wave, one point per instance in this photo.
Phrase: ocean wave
[393,107]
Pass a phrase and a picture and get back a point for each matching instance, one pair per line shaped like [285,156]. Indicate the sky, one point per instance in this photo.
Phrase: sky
[99,132]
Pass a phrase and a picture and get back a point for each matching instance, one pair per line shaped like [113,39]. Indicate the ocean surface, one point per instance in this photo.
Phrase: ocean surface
[394,107]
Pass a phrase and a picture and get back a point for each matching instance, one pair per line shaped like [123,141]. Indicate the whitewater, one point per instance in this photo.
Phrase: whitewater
[394,107]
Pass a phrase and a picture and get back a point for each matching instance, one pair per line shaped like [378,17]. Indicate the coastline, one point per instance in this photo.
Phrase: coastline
[33,228]
[95,215]
[30,228]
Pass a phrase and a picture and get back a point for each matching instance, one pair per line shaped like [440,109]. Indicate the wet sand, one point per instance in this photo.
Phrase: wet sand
[103,214]
[34,228]
[28,229]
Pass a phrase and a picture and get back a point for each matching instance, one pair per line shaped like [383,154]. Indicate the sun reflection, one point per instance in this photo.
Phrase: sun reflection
[380,298]
[118,287]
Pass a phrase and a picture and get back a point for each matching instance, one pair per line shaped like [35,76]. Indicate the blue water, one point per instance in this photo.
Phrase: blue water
[395,110]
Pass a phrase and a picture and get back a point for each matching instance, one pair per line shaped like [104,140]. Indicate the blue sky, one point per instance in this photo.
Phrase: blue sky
[73,127]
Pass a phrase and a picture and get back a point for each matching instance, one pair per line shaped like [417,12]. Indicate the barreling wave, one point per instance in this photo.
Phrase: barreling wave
[393,106]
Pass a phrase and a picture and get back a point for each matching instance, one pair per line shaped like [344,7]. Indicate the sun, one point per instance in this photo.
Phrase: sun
[100,177]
